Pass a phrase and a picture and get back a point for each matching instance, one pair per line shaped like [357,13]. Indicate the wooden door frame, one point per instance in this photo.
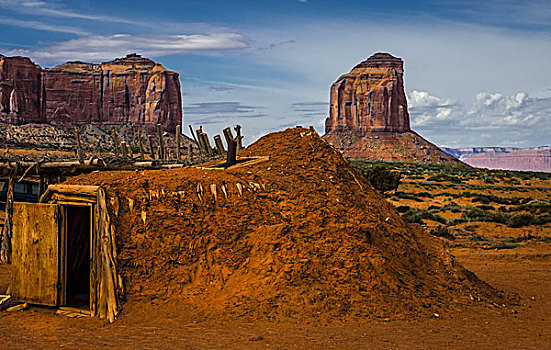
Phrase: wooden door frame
[62,291]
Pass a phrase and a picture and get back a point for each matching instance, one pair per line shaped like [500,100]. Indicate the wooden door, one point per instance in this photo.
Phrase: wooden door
[35,256]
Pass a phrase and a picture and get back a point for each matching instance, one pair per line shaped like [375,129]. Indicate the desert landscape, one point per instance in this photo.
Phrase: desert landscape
[213,196]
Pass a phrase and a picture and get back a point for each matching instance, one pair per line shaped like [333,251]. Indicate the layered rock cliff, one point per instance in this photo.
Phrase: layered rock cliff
[368,115]
[130,90]
[506,158]
[370,98]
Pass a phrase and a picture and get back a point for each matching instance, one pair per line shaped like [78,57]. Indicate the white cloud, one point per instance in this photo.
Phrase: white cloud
[42,26]
[492,119]
[42,8]
[425,108]
[95,48]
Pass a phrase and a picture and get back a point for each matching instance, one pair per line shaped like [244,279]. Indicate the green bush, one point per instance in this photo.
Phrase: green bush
[381,178]
[477,214]
[442,231]
[417,216]
[520,220]
[403,208]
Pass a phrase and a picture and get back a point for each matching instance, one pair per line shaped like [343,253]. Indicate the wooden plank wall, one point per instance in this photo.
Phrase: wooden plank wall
[35,253]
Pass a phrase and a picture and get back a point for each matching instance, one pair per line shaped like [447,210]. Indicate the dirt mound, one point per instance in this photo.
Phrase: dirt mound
[299,234]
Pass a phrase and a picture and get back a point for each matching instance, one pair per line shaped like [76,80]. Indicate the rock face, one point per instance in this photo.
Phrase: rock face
[21,98]
[124,91]
[368,115]
[370,98]
[506,158]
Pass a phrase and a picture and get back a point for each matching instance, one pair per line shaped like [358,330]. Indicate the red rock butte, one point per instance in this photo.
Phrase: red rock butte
[370,98]
[124,91]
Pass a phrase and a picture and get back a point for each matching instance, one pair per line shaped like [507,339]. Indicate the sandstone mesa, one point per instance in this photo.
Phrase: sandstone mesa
[123,91]
[368,115]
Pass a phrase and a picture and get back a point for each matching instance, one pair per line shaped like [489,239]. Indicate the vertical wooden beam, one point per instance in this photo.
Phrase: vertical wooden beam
[190,153]
[151,147]
[238,136]
[228,136]
[219,145]
[201,142]
[162,150]
[115,141]
[178,141]
[5,250]
[206,142]
[124,149]
[231,157]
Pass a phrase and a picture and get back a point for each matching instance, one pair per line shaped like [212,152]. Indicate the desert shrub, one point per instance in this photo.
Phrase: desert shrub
[481,199]
[520,220]
[453,207]
[424,194]
[477,214]
[433,209]
[456,221]
[505,245]
[523,238]
[381,178]
[403,208]
[417,216]
[442,231]
[477,238]
[534,206]
[404,195]
[486,207]
[542,220]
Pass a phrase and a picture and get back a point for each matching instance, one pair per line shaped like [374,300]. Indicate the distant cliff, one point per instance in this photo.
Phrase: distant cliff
[507,158]
[370,98]
[130,90]
[368,115]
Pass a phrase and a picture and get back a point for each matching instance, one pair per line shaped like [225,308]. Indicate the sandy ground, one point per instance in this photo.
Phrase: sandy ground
[150,324]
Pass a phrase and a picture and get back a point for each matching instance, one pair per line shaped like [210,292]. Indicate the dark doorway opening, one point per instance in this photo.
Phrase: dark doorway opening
[77,277]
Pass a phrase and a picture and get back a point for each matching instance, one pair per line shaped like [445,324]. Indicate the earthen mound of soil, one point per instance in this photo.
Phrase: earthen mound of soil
[300,234]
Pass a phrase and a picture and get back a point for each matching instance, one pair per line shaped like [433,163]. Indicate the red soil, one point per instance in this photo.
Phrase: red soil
[298,235]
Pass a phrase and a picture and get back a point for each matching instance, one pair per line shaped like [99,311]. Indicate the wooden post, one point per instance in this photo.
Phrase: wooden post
[193,134]
[130,150]
[190,153]
[228,136]
[140,143]
[231,157]
[238,136]
[41,186]
[201,143]
[178,133]
[206,142]
[115,141]
[219,145]
[124,149]
[151,147]
[80,152]
[5,250]
[160,139]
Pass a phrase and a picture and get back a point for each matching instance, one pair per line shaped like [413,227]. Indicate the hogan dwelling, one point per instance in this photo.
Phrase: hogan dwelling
[127,90]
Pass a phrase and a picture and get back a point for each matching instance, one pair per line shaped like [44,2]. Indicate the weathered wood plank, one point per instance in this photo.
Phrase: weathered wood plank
[35,253]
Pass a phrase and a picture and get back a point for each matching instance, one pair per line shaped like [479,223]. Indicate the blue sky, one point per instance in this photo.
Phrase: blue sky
[477,73]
